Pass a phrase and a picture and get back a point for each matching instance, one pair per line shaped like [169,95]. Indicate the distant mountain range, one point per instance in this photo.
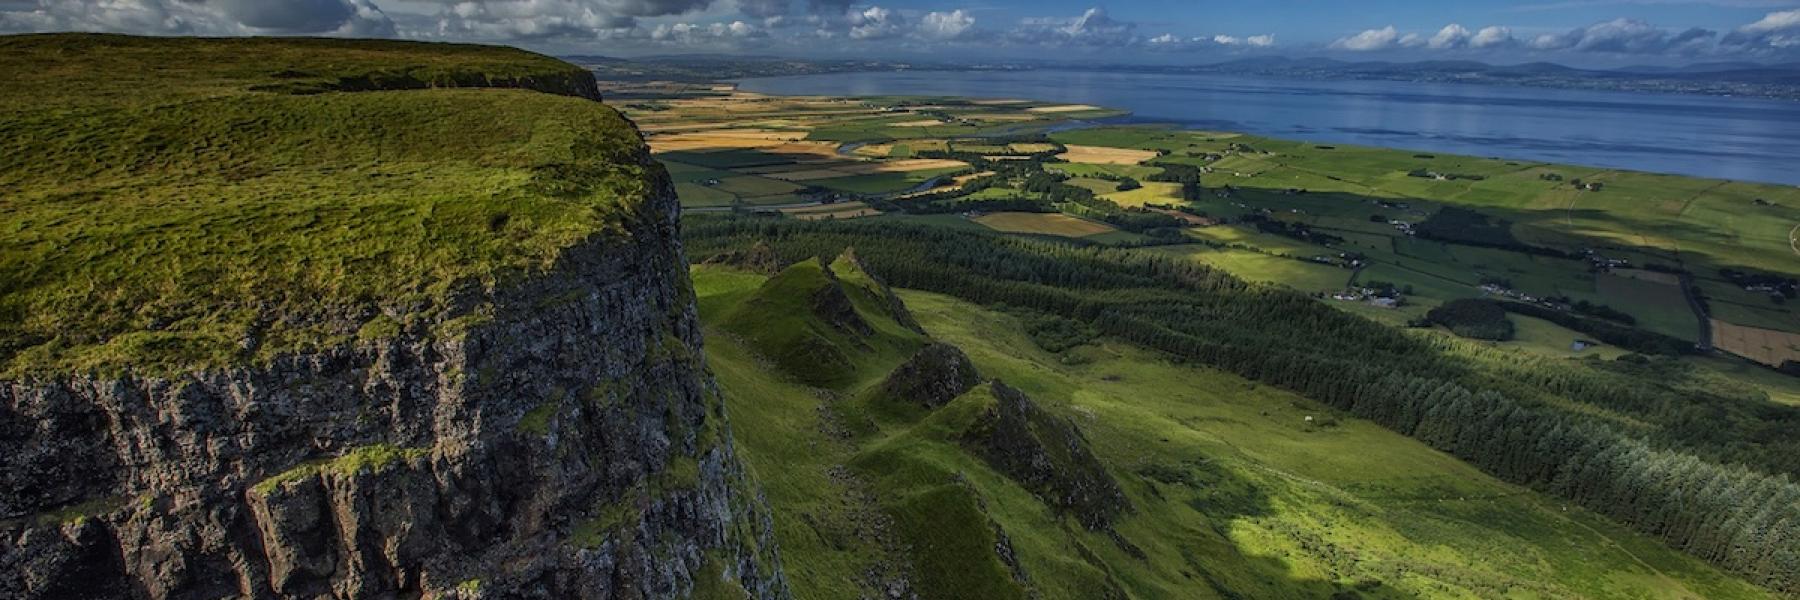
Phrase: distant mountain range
[1733,72]
[1714,78]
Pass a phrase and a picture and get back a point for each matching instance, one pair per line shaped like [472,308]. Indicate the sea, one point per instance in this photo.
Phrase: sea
[1722,137]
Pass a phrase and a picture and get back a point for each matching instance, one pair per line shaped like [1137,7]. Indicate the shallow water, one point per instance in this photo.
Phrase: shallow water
[1707,136]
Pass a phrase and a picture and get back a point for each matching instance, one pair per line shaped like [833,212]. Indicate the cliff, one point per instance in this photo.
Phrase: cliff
[512,428]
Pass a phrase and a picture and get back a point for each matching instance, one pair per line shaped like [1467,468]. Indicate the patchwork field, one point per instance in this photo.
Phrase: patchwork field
[1765,346]
[1043,224]
[1272,201]
[1104,155]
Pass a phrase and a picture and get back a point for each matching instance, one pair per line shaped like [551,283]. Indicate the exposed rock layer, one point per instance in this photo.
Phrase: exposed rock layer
[555,438]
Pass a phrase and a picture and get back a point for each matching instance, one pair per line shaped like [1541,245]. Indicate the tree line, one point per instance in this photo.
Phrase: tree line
[1709,472]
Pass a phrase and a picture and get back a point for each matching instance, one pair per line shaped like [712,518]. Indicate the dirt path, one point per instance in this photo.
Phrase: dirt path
[1794,244]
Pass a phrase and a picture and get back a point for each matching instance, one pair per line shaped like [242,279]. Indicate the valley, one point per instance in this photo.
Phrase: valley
[1234,489]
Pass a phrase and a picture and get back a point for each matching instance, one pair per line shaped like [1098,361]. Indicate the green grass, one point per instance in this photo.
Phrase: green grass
[751,186]
[696,195]
[1306,504]
[366,458]
[1233,492]
[1138,172]
[882,183]
[1261,267]
[783,320]
[162,211]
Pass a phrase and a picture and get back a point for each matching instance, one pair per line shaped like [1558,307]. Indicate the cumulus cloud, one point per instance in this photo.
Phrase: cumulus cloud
[1775,31]
[1491,37]
[1170,41]
[1372,39]
[1092,28]
[876,23]
[707,35]
[532,20]
[220,17]
[946,25]
[1626,36]
[1451,36]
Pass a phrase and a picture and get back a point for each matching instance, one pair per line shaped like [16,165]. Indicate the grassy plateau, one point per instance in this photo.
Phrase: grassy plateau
[178,203]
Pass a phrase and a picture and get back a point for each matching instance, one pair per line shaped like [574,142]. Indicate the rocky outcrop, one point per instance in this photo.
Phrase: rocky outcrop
[1047,455]
[932,377]
[555,438]
[758,258]
[833,307]
[890,301]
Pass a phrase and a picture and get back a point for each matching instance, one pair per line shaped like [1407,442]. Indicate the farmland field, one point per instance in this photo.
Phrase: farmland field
[1540,236]
[1041,223]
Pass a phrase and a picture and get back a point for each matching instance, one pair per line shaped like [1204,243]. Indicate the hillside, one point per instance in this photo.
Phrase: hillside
[1286,422]
[175,203]
[1156,479]
[315,318]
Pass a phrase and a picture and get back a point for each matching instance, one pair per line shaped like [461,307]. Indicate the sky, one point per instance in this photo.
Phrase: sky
[1576,32]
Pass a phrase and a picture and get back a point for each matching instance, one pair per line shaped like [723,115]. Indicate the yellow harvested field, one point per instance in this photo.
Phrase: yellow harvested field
[1029,148]
[1005,157]
[1151,192]
[1766,346]
[1006,118]
[1043,223]
[907,165]
[918,123]
[1062,108]
[962,179]
[875,150]
[724,139]
[1102,155]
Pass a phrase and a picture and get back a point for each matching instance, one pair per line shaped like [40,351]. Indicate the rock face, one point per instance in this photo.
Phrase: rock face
[1048,456]
[555,438]
[933,376]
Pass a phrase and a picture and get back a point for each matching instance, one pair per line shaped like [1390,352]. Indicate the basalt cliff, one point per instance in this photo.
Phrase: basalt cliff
[549,432]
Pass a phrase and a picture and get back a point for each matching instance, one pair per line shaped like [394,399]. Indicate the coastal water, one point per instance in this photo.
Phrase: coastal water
[1707,136]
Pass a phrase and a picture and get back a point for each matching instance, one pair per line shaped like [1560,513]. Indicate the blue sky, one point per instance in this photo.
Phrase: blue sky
[1580,32]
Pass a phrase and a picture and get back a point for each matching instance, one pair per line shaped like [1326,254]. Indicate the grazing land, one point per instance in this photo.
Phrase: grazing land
[1043,224]
[1430,228]
[1237,489]
[1605,298]
[156,216]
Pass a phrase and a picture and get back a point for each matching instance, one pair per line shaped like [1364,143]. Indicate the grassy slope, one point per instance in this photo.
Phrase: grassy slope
[161,207]
[1234,493]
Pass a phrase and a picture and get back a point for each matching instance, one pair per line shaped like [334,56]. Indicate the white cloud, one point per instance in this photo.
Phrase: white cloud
[1372,39]
[1226,40]
[1778,31]
[1451,36]
[706,35]
[875,23]
[221,17]
[1627,36]
[946,25]
[1491,37]
[1261,41]
[1093,28]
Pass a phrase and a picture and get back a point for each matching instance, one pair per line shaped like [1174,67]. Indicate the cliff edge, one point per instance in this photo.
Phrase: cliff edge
[319,320]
